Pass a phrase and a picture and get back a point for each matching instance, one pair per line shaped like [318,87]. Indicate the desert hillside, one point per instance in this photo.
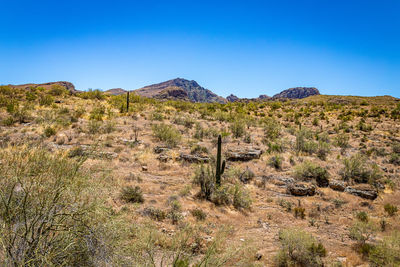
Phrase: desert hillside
[302,182]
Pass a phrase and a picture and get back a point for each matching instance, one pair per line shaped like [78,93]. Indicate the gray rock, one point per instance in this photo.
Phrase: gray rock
[363,190]
[337,185]
[160,149]
[243,154]
[194,158]
[301,189]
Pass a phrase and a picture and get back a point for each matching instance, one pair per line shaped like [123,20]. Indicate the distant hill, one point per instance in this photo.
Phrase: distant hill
[69,86]
[115,91]
[297,93]
[194,91]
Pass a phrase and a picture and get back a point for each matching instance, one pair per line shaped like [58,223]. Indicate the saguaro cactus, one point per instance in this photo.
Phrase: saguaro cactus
[220,168]
[127,102]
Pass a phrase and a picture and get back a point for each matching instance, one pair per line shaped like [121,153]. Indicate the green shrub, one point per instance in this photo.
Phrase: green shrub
[342,141]
[47,219]
[241,198]
[299,248]
[357,169]
[361,232]
[174,212]
[97,113]
[390,209]
[167,134]
[275,162]
[386,252]
[132,194]
[154,213]
[272,129]
[49,131]
[310,171]
[362,216]
[46,100]
[199,214]
[57,90]
[237,128]
[323,150]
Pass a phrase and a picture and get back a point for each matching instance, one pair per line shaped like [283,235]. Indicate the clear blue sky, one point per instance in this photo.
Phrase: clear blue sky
[246,48]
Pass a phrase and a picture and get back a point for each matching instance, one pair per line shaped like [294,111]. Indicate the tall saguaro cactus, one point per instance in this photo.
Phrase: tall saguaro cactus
[220,168]
[127,102]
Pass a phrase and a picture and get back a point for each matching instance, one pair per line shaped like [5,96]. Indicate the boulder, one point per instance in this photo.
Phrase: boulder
[337,185]
[243,154]
[160,149]
[301,189]
[194,158]
[164,157]
[363,190]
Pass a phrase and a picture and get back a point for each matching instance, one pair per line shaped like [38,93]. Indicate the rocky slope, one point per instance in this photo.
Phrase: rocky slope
[69,86]
[297,93]
[195,92]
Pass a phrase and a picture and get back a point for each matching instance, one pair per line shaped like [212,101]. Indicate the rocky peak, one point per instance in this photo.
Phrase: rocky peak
[297,93]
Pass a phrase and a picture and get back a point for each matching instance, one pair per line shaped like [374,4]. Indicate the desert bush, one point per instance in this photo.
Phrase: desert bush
[357,169]
[272,129]
[362,216]
[204,177]
[199,214]
[94,127]
[97,113]
[342,141]
[57,90]
[188,122]
[303,142]
[49,131]
[362,232]
[156,116]
[386,252]
[390,209]
[154,213]
[237,128]
[92,94]
[174,212]
[323,150]
[167,134]
[46,100]
[275,162]
[299,248]
[310,171]
[222,195]
[45,216]
[132,194]
[241,198]
[276,147]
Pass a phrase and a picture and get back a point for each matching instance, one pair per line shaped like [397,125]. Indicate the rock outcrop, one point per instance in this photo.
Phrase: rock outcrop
[172,93]
[297,93]
[194,91]
[363,190]
[243,154]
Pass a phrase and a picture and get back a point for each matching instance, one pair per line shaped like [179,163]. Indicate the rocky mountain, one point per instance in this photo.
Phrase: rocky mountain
[69,86]
[297,93]
[115,91]
[194,91]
